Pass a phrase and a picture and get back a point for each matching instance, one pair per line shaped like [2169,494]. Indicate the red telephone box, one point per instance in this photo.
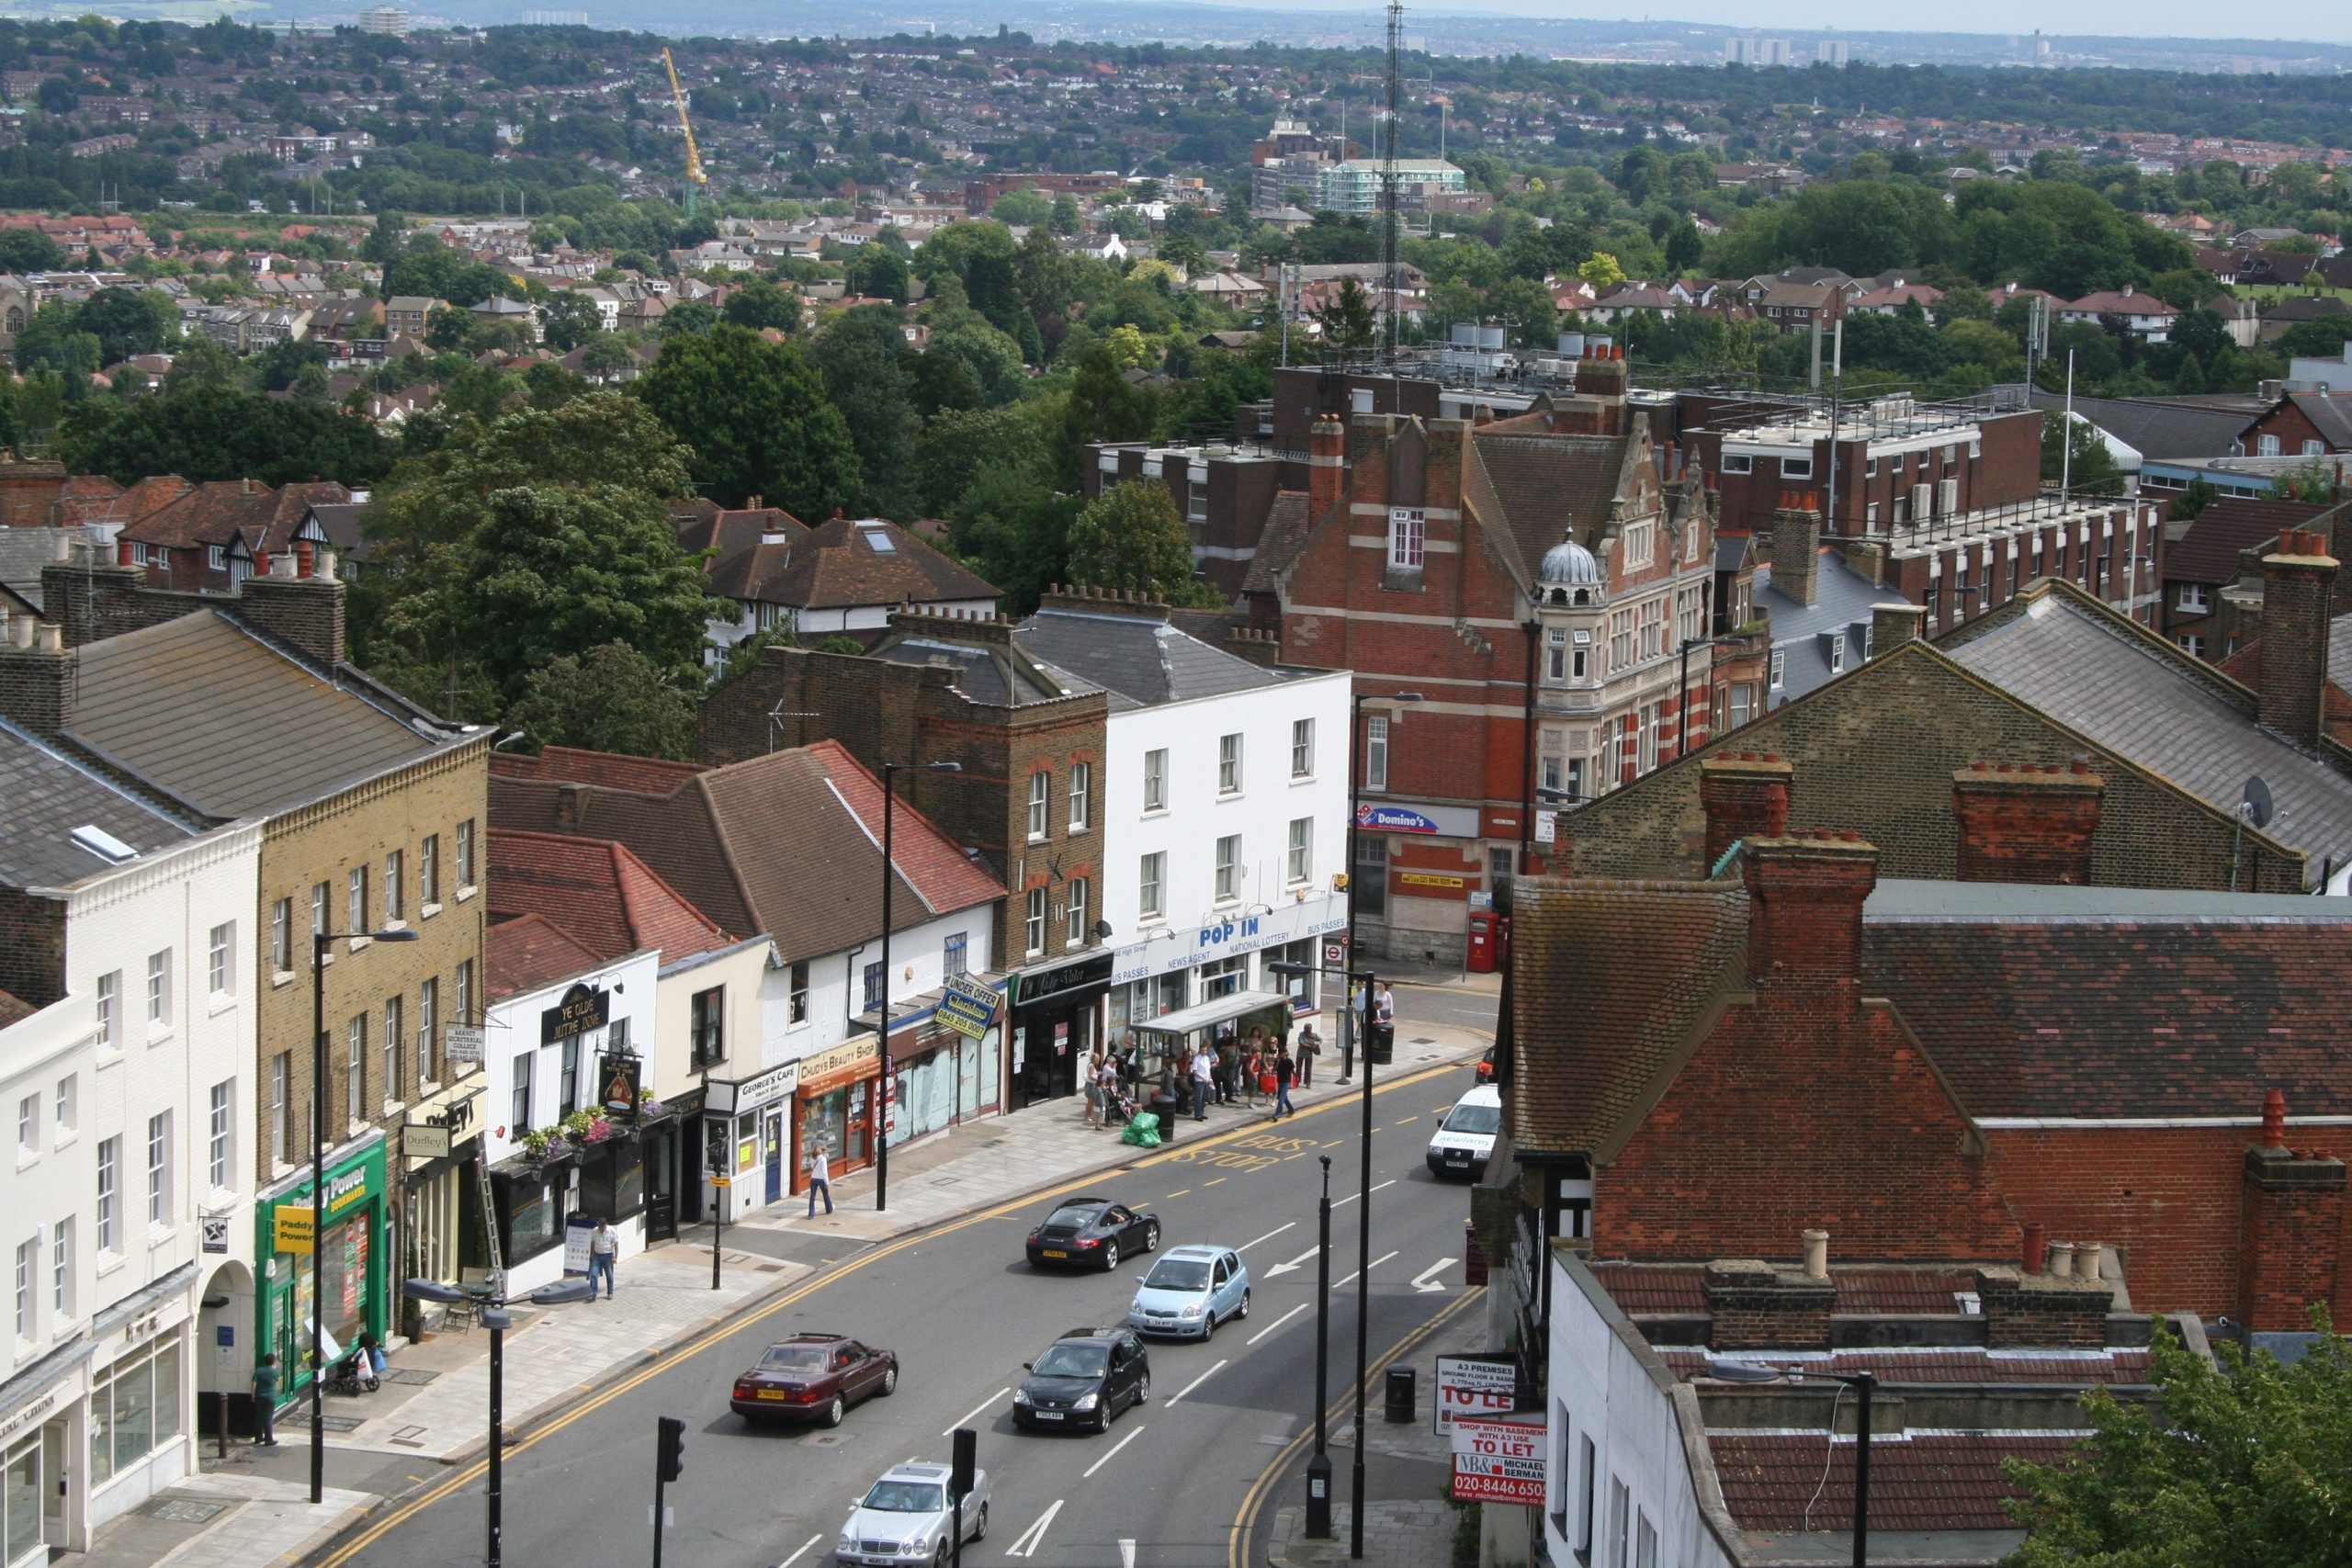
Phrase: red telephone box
[1483,944]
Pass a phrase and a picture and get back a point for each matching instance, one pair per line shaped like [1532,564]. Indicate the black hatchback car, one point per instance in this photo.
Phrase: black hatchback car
[1084,1378]
[1091,1233]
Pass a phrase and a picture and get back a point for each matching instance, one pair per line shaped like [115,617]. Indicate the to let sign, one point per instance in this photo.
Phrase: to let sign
[1474,1386]
[1498,1460]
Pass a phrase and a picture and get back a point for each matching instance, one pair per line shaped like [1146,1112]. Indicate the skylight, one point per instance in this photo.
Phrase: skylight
[103,844]
[878,540]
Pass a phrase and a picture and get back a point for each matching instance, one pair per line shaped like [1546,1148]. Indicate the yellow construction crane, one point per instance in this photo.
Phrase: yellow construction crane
[695,178]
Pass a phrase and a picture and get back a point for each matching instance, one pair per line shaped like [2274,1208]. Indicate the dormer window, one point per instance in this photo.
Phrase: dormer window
[1407,537]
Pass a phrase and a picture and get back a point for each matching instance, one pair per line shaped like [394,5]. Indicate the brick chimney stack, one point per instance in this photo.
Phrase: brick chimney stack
[2297,581]
[36,676]
[1804,920]
[1796,545]
[2292,1214]
[300,604]
[1894,625]
[1745,796]
[1326,467]
[1598,405]
[2027,824]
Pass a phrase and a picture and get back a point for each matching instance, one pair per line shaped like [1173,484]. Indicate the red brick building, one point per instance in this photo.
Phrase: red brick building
[1535,579]
[213,536]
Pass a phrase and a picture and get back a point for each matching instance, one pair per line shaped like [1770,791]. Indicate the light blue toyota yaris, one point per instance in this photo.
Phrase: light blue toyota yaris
[1190,1291]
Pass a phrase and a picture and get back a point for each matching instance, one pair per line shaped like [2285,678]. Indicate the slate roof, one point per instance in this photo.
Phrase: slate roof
[838,566]
[2331,415]
[1571,1097]
[768,846]
[178,704]
[1139,660]
[986,674]
[525,954]
[342,524]
[49,794]
[1279,541]
[2209,550]
[2149,702]
[23,553]
[2156,428]
[1530,488]
[601,895]
[704,524]
[1918,1483]
[2105,1002]
[1841,607]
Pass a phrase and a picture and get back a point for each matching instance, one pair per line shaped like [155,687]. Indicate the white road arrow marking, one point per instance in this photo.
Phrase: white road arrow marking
[796,1556]
[1277,1322]
[1197,1381]
[1281,1269]
[1423,1283]
[1268,1237]
[1027,1545]
[1367,1269]
[1127,1552]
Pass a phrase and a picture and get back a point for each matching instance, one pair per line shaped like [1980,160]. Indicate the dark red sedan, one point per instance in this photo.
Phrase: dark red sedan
[813,1377]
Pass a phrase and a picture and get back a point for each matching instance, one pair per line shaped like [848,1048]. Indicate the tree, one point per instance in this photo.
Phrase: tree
[127,322]
[2236,1460]
[610,698]
[1348,320]
[757,418]
[859,354]
[1103,405]
[760,303]
[1130,537]
[211,432]
[688,317]
[448,327]
[2089,464]
[1022,210]
[1600,270]
[29,250]
[877,272]
[569,320]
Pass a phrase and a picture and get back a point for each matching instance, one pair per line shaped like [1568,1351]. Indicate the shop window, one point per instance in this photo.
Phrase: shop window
[612,1180]
[134,1409]
[533,1205]
[1223,978]
[1303,991]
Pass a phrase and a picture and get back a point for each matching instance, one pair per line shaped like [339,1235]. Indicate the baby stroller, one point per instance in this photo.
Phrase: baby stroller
[354,1375]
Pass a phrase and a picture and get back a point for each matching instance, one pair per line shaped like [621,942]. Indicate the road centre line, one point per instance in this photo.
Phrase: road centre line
[1133,1433]
[1352,1273]
[1402,1120]
[1215,1182]
[1268,1237]
[1354,1196]
[1197,1381]
[800,1552]
[1178,1193]
[720,1332]
[1276,1323]
[979,1409]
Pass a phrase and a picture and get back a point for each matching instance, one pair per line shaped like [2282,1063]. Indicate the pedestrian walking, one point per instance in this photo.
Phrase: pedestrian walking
[1204,1084]
[1094,1089]
[820,1178]
[1284,1070]
[1249,1060]
[1310,1046]
[604,1251]
[265,1403]
[1229,1067]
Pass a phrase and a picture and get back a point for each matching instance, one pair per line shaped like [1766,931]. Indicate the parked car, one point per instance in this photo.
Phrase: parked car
[1091,1233]
[1083,1380]
[1190,1291]
[903,1517]
[1465,1140]
[813,1377]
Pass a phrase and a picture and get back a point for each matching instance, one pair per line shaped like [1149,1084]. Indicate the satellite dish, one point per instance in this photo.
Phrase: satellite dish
[2256,803]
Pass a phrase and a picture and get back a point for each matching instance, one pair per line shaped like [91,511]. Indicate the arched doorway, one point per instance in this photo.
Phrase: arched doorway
[224,1351]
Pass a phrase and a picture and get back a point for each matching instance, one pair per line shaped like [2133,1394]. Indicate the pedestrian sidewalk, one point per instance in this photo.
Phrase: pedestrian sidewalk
[434,1404]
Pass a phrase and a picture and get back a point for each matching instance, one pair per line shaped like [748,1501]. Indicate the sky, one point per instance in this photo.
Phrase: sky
[2129,18]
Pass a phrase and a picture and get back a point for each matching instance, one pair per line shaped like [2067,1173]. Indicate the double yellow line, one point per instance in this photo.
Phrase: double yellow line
[458,1480]
[1245,1523]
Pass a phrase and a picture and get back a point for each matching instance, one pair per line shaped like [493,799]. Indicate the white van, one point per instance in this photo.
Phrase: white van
[1466,1137]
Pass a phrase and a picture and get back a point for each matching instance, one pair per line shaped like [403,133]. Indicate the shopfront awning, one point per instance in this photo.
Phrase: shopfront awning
[1209,1014]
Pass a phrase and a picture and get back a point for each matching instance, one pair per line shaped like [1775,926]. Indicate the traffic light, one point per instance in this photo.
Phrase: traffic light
[672,1449]
[967,1460]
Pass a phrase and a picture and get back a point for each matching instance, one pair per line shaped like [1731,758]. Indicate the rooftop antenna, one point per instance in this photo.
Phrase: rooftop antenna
[1388,277]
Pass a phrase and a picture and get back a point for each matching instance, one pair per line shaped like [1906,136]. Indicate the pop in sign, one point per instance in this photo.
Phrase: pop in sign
[1498,1460]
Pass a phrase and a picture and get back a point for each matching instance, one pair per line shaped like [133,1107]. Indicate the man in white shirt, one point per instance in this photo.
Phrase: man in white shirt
[820,1178]
[1203,1082]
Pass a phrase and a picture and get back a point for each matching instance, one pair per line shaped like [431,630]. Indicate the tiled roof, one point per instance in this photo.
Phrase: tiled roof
[1279,542]
[179,704]
[1941,1482]
[1139,660]
[765,847]
[2331,415]
[1592,1029]
[838,566]
[704,524]
[216,512]
[613,770]
[525,954]
[2124,1017]
[2209,550]
[14,1009]
[49,794]
[1531,488]
[604,896]
[2084,666]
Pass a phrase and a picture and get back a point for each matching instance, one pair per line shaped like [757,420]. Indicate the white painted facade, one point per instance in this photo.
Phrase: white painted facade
[111,1345]
[1167,816]
[753,619]
[1620,1433]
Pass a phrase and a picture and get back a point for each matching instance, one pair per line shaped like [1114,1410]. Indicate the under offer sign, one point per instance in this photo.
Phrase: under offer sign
[1498,1460]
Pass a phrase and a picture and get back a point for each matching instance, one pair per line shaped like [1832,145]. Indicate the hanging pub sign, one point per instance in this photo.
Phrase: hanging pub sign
[618,1073]
[584,1008]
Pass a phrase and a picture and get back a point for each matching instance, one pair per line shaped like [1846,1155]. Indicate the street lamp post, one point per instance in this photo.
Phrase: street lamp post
[1319,1469]
[890,878]
[319,941]
[1863,1384]
[498,1320]
[1355,814]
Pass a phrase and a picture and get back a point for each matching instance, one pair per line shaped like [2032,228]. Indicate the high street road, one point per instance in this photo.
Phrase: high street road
[1162,1489]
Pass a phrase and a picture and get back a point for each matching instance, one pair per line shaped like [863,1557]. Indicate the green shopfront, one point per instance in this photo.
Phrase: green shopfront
[352,1258]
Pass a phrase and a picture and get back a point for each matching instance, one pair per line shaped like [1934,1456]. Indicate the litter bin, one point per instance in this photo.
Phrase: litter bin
[1400,1396]
[1381,1044]
[1164,1106]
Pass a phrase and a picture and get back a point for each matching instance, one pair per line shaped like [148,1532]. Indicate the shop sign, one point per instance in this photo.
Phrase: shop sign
[824,1064]
[619,1071]
[749,1094]
[452,1110]
[1547,827]
[345,1189]
[1429,879]
[294,1226]
[419,1141]
[216,1229]
[1395,819]
[1231,938]
[1474,1386]
[584,1008]
[461,1042]
[966,1006]
[29,1413]
[1498,1460]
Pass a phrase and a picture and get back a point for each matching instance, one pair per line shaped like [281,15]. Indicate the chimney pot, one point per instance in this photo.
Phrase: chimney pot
[2273,1119]
[2061,1258]
[49,637]
[2037,1248]
[2087,1258]
[22,630]
[122,552]
[1817,1255]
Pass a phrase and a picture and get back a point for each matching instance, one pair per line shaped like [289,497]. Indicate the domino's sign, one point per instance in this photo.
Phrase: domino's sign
[1395,820]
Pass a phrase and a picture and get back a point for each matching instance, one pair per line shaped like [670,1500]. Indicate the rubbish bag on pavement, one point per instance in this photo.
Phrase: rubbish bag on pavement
[1143,1131]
